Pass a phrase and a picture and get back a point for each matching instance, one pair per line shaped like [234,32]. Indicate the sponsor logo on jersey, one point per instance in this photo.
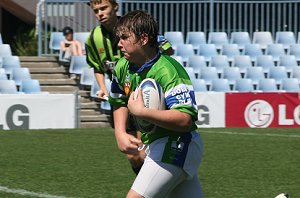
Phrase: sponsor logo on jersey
[101,50]
[127,85]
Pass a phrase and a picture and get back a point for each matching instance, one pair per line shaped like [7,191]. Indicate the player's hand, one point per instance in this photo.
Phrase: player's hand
[127,143]
[103,95]
[136,106]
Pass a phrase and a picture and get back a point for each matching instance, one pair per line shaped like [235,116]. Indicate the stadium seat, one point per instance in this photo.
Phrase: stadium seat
[196,62]
[285,38]
[81,37]
[185,51]
[208,74]
[190,72]
[208,51]
[5,50]
[242,62]
[295,50]
[288,61]
[78,63]
[218,38]
[178,59]
[87,77]
[19,74]
[8,87]
[244,85]
[219,62]
[263,39]
[291,85]
[253,50]
[1,61]
[255,74]
[104,105]
[196,39]
[175,38]
[278,73]
[296,73]
[232,74]
[199,85]
[220,85]
[267,85]
[94,89]
[11,62]
[230,50]
[275,50]
[240,38]
[3,75]
[55,39]
[30,86]
[266,62]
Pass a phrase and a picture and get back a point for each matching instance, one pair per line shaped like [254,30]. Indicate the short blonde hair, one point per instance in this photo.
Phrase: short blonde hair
[95,2]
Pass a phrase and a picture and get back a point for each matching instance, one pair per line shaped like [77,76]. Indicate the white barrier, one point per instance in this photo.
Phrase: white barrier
[37,111]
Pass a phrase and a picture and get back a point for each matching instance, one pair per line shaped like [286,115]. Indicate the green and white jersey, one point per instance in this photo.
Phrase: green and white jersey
[172,77]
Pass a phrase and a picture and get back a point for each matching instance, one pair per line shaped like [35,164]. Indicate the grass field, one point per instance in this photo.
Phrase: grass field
[85,163]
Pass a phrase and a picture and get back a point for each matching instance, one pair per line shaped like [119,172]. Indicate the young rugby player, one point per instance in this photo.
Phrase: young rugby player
[174,150]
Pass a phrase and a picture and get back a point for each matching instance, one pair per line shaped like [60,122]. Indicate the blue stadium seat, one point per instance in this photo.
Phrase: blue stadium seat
[253,50]
[5,50]
[196,39]
[104,105]
[218,38]
[81,37]
[240,38]
[3,75]
[199,85]
[232,74]
[296,73]
[1,61]
[87,77]
[208,74]
[266,62]
[219,62]
[244,85]
[94,89]
[291,85]
[288,61]
[267,85]
[11,62]
[230,50]
[285,38]
[242,62]
[275,50]
[178,59]
[78,63]
[175,38]
[208,51]
[255,74]
[19,74]
[190,72]
[196,62]
[8,87]
[295,50]
[263,39]
[278,73]
[185,51]
[55,39]
[220,85]
[30,87]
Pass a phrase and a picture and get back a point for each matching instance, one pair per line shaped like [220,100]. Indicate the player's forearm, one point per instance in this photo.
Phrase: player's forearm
[101,81]
[170,119]
[120,120]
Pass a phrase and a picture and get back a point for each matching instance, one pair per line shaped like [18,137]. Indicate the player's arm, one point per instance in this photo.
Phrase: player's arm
[100,78]
[170,119]
[126,143]
[63,46]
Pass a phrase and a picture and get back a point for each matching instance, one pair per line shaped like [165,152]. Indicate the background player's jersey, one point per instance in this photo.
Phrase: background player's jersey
[179,92]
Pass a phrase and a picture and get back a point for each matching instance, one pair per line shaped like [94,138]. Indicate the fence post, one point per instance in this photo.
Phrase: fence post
[120,11]
[39,27]
[211,15]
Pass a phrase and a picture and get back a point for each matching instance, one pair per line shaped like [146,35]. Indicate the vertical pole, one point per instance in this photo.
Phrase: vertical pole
[211,20]
[40,28]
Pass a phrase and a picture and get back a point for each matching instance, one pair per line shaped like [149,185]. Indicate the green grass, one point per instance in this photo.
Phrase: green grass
[86,163]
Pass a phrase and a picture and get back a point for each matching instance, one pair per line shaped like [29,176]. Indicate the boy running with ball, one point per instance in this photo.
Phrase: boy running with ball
[174,150]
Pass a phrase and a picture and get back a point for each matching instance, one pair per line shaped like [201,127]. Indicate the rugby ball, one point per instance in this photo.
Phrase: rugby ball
[154,98]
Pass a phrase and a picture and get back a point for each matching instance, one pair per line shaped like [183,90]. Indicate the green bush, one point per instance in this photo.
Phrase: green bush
[25,42]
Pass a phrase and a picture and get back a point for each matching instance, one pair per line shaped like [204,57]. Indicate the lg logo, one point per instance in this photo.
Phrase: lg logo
[203,118]
[17,117]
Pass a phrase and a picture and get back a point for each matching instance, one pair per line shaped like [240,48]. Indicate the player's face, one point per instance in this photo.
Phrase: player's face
[105,12]
[69,37]
[130,47]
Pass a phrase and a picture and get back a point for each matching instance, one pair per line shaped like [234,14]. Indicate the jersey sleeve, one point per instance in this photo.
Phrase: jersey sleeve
[163,43]
[92,54]
[117,96]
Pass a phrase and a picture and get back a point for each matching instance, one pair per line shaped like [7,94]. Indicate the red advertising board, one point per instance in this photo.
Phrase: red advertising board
[261,110]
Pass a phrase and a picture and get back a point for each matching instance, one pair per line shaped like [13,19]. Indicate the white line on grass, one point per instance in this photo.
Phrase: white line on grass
[28,193]
[252,134]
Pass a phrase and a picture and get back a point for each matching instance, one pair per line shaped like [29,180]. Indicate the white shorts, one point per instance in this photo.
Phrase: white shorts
[174,178]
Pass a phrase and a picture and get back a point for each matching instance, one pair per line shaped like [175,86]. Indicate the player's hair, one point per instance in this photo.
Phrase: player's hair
[139,22]
[95,2]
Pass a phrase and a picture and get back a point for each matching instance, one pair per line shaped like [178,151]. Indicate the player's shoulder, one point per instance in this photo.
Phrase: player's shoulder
[167,64]
[121,66]
[92,33]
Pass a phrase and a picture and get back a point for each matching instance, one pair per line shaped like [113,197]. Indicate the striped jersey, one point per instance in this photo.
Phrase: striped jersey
[172,77]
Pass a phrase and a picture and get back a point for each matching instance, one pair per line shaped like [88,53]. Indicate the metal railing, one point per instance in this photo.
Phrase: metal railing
[176,15]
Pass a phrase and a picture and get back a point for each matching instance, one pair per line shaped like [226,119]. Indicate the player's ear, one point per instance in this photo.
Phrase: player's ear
[144,39]
[116,7]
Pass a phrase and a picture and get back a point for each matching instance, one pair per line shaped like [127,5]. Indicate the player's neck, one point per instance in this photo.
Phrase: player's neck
[147,55]
[112,24]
